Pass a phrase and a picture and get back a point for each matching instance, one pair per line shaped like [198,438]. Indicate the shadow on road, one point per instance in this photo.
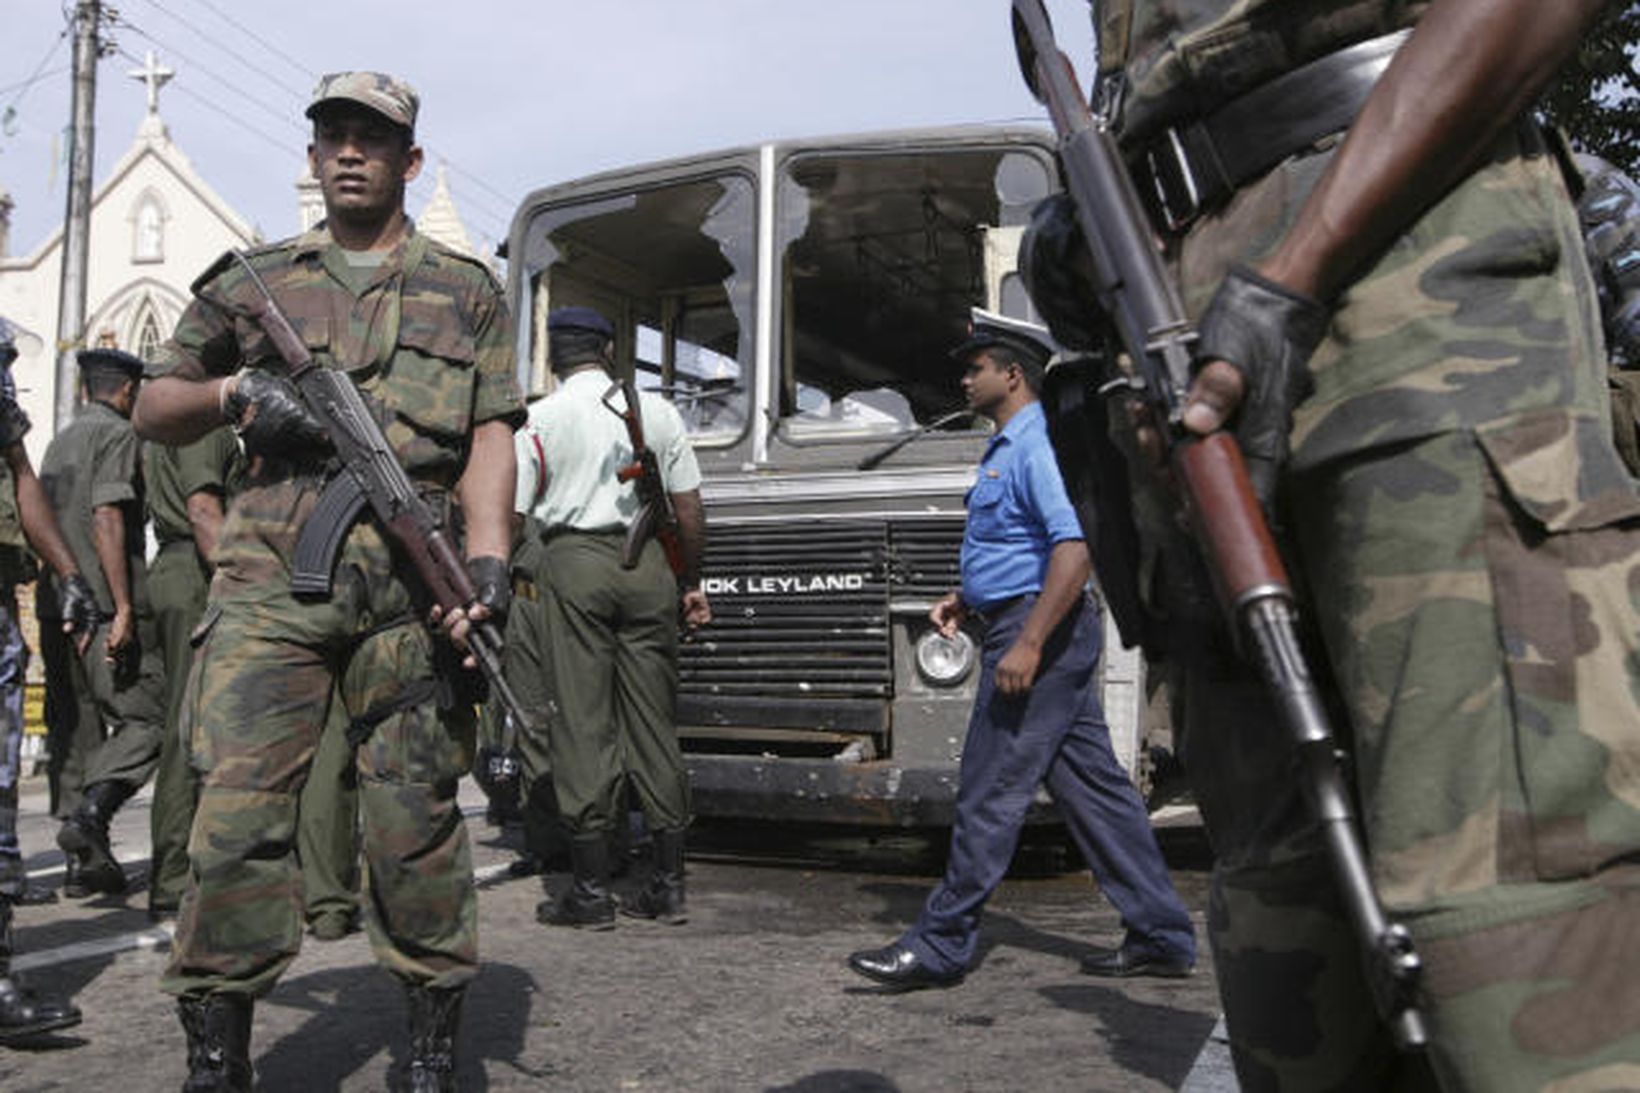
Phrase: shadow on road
[1130,1028]
[838,1081]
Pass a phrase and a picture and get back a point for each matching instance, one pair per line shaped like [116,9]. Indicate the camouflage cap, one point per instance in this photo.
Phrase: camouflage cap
[388,96]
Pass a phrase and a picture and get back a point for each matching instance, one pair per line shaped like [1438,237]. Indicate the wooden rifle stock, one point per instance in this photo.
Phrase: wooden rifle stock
[1144,306]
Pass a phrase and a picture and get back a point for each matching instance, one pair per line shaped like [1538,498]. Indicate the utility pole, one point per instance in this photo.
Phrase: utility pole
[71,295]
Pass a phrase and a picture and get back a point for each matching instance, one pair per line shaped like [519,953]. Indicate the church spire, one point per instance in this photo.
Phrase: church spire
[156,76]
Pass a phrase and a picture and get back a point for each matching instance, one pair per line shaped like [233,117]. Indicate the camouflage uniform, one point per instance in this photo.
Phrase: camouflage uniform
[177,582]
[1469,546]
[426,335]
[95,462]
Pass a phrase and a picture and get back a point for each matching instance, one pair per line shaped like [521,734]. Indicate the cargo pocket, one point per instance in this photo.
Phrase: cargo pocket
[1562,542]
[430,380]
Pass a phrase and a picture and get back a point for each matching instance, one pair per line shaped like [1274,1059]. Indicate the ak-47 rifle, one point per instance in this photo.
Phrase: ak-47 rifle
[655,516]
[1144,305]
[371,475]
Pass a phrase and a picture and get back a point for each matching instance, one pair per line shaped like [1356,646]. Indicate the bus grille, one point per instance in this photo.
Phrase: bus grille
[800,635]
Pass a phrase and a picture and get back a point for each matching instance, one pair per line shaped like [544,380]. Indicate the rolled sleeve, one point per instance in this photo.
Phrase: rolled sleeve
[114,471]
[496,395]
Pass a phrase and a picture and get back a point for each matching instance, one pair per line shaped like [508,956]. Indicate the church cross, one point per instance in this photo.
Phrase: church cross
[156,76]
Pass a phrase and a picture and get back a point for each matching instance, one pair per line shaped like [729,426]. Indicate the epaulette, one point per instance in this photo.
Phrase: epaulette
[444,250]
[226,261]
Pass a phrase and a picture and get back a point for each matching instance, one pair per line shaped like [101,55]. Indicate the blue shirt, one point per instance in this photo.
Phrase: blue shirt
[1017,511]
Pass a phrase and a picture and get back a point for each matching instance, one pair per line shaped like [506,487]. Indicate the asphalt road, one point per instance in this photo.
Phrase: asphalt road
[751,994]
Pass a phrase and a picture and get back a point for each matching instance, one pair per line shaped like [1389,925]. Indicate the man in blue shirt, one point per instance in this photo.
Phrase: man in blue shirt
[1036,715]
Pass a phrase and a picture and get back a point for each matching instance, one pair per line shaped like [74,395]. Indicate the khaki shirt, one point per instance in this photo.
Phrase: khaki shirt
[96,460]
[172,474]
[572,445]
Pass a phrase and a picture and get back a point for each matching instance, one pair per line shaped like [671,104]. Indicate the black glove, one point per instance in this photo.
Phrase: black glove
[1055,265]
[14,423]
[1267,333]
[492,583]
[78,603]
[269,417]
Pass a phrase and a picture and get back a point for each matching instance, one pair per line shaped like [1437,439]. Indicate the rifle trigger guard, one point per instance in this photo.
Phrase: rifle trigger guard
[314,566]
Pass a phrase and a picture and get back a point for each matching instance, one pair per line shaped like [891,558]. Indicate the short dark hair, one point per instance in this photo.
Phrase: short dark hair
[572,346]
[1004,357]
[104,382]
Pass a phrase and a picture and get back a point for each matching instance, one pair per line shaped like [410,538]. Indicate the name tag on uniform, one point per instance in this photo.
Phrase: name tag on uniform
[991,472]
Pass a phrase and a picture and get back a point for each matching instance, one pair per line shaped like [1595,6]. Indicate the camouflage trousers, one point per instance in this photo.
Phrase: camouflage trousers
[1468,550]
[264,673]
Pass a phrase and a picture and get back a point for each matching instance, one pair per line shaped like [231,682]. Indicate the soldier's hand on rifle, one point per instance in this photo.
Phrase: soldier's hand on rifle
[270,417]
[1254,342]
[949,614]
[492,585]
[79,606]
[694,608]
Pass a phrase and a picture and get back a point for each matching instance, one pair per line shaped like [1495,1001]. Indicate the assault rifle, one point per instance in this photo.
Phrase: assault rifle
[371,475]
[655,516]
[1144,305]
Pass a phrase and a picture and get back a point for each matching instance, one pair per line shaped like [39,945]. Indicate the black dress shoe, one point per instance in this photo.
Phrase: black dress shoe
[899,967]
[1124,963]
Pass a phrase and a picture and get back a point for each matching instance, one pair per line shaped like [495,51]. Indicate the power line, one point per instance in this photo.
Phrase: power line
[257,38]
[216,108]
[230,51]
[39,72]
[24,85]
[260,104]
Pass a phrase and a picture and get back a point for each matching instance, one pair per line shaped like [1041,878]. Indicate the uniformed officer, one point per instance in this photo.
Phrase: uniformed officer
[92,472]
[186,490]
[1037,718]
[25,518]
[609,633]
[424,333]
[1397,322]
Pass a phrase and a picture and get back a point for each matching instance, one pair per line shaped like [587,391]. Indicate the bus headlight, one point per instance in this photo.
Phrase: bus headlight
[943,661]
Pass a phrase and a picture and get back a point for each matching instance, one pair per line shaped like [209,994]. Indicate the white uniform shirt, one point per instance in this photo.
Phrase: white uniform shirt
[571,447]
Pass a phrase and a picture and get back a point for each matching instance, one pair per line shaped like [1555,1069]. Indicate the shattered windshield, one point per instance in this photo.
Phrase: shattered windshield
[673,267]
[882,256]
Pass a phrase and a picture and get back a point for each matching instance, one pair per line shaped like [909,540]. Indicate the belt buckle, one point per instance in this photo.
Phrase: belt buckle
[1172,182]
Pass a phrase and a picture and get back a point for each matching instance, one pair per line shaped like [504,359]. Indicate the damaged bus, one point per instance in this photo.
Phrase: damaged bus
[796,301]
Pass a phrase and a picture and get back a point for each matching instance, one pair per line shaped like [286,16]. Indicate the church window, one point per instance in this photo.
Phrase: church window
[149,338]
[149,244]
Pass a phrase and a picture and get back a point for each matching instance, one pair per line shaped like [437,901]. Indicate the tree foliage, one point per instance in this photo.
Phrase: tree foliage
[1596,98]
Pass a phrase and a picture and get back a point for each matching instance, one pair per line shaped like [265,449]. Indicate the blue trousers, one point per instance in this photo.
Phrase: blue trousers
[1055,734]
[13,665]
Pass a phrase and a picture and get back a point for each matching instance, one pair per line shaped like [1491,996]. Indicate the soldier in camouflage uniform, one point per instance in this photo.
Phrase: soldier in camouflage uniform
[1468,541]
[424,333]
[92,471]
[25,519]
[186,489]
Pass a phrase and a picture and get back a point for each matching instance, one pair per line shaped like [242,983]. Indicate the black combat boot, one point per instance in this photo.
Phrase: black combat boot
[435,1021]
[588,902]
[219,1043]
[84,837]
[662,897]
[24,1014]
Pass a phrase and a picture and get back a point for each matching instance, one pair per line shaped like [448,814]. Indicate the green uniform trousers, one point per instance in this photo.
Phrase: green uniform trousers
[265,674]
[610,637]
[130,703]
[327,831]
[73,727]
[177,584]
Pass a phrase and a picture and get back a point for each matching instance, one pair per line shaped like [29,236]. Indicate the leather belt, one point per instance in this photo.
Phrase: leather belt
[1190,168]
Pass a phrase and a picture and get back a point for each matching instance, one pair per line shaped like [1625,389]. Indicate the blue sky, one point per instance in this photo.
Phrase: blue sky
[515,95]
